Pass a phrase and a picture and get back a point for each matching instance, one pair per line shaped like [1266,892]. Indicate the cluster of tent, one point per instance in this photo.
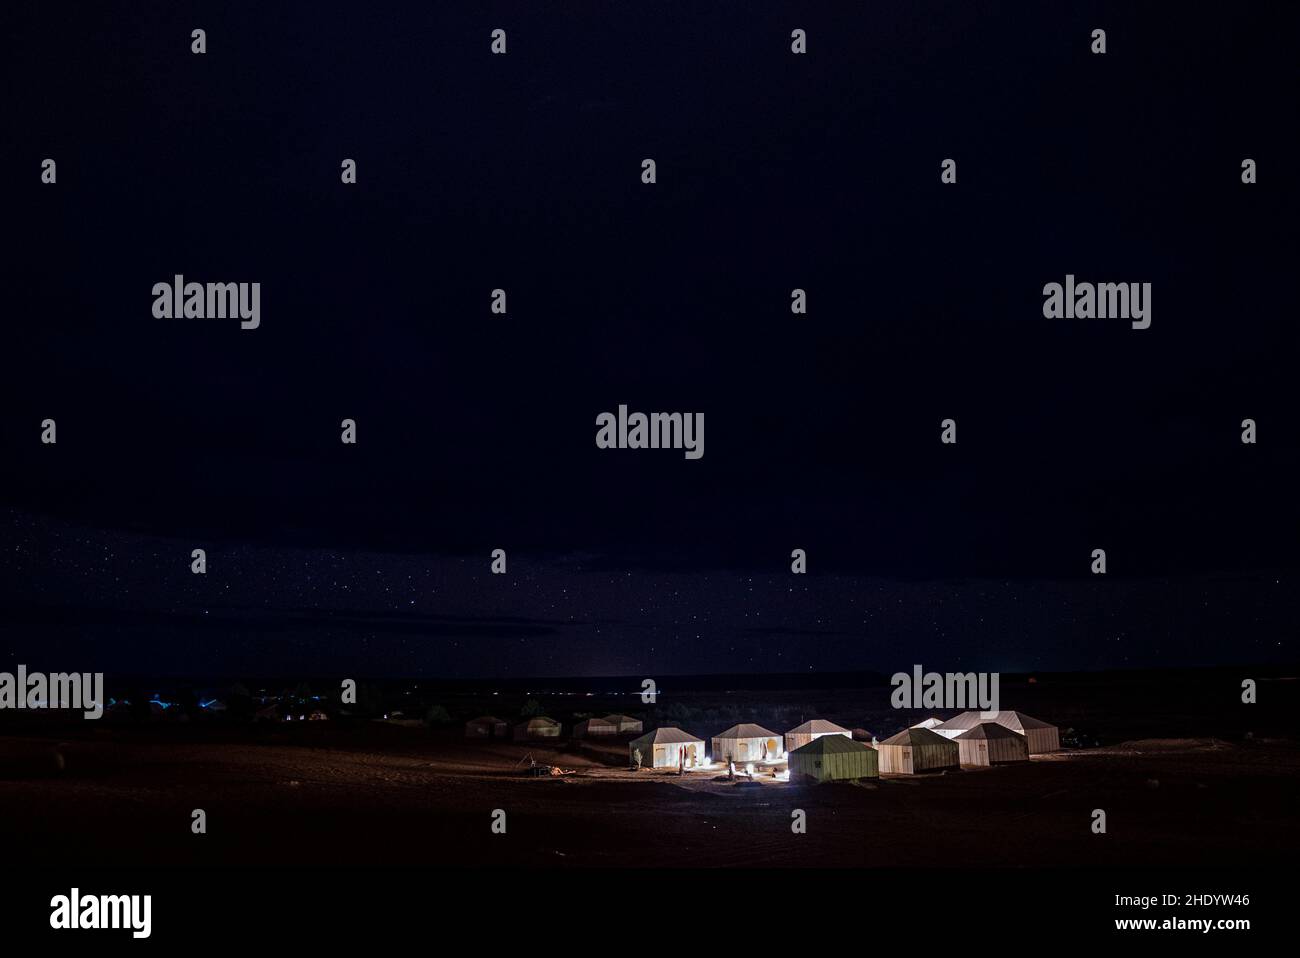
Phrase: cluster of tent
[542,727]
[823,751]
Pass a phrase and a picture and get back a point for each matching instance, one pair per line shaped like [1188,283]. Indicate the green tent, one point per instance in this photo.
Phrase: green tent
[833,758]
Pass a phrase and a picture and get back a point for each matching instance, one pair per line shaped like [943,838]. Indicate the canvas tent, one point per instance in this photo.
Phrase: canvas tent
[746,743]
[667,748]
[991,744]
[832,758]
[486,726]
[931,722]
[594,728]
[627,725]
[917,750]
[1039,735]
[801,735]
[538,727]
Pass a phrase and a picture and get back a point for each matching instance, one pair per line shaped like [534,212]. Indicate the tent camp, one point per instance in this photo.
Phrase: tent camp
[833,758]
[991,744]
[931,722]
[801,735]
[745,743]
[537,727]
[667,748]
[627,725]
[487,726]
[862,735]
[917,750]
[1039,735]
[594,728]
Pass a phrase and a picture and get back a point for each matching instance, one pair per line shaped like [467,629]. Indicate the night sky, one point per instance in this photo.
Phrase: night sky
[476,431]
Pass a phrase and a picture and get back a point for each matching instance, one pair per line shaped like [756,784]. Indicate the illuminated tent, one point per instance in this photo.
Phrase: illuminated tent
[917,750]
[667,748]
[537,727]
[931,722]
[991,744]
[486,726]
[831,758]
[801,735]
[594,728]
[627,725]
[745,743]
[1039,735]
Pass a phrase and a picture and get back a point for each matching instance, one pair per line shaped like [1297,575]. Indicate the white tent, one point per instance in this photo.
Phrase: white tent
[745,743]
[917,750]
[486,726]
[538,727]
[667,747]
[991,744]
[594,728]
[627,725]
[930,723]
[810,731]
[1039,735]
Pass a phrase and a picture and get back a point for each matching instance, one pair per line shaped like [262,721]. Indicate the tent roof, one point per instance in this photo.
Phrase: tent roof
[490,719]
[667,736]
[537,720]
[931,722]
[598,720]
[832,745]
[916,736]
[989,730]
[1016,721]
[618,718]
[746,730]
[818,727]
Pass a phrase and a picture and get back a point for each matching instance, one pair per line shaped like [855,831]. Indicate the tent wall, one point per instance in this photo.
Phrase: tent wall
[745,749]
[992,751]
[896,759]
[667,756]
[909,759]
[1042,740]
[834,766]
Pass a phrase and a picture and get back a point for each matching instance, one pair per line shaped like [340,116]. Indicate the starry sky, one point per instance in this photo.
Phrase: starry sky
[476,431]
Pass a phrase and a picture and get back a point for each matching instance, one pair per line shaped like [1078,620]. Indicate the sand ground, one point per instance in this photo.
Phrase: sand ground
[386,795]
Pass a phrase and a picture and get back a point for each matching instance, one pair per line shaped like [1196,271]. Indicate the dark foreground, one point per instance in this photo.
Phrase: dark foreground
[398,796]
